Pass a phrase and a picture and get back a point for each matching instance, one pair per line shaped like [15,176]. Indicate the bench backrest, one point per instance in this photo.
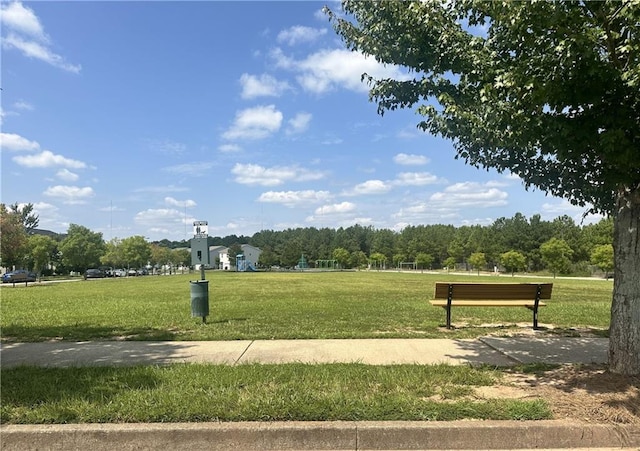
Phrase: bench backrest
[493,291]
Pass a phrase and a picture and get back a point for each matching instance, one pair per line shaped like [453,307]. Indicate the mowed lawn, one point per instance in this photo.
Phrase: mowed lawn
[279,305]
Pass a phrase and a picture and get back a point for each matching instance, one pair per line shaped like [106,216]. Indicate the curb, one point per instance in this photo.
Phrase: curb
[389,435]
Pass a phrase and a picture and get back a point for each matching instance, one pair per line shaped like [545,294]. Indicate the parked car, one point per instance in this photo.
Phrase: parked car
[93,274]
[132,272]
[119,273]
[19,275]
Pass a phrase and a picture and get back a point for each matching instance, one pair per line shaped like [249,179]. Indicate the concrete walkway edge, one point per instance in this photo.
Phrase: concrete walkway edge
[389,435]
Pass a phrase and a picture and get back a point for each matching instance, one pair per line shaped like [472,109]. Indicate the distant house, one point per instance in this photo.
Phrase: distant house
[219,257]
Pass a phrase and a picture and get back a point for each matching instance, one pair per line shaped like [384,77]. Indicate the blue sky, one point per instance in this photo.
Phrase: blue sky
[138,118]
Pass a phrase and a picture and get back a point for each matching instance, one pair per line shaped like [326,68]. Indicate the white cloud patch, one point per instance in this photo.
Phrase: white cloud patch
[253,174]
[300,34]
[21,19]
[70,194]
[47,159]
[264,85]
[22,105]
[327,70]
[410,160]
[14,142]
[416,179]
[163,218]
[254,123]
[470,194]
[370,187]
[299,123]
[294,198]
[341,208]
[229,148]
[188,203]
[26,34]
[66,175]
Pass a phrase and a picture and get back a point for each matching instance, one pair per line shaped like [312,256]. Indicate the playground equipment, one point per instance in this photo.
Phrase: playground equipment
[327,264]
[242,265]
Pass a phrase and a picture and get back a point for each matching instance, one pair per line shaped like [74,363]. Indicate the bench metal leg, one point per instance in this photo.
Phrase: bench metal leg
[448,309]
[535,318]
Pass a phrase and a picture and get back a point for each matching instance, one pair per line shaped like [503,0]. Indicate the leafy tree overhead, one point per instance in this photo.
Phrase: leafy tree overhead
[549,91]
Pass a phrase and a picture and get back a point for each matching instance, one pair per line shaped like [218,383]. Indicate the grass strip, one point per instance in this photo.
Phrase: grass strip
[255,392]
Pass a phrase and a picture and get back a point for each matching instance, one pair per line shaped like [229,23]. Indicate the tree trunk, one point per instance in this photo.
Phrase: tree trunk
[624,333]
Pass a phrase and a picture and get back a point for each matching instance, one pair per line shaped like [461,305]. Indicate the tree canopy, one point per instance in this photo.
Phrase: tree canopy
[549,91]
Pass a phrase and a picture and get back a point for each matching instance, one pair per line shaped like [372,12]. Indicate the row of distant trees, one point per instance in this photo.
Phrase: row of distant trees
[512,244]
[24,246]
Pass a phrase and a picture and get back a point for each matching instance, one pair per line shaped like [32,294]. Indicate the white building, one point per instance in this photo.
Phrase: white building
[219,257]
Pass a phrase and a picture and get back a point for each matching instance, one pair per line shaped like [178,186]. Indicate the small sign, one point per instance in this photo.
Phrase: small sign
[200,229]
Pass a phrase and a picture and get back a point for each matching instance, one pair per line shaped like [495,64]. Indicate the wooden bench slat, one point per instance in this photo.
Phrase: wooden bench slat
[491,295]
[463,303]
[493,291]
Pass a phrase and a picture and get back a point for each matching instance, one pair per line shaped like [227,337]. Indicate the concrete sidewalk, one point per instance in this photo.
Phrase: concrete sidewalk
[487,350]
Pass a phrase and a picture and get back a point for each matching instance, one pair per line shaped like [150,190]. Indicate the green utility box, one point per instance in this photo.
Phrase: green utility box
[200,299]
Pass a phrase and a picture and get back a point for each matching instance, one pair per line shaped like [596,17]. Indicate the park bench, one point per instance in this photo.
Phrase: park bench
[527,295]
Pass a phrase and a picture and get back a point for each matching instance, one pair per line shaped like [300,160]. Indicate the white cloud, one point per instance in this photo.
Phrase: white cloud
[70,194]
[188,203]
[294,198]
[22,105]
[193,169]
[263,86]
[550,211]
[16,17]
[253,174]
[254,123]
[11,141]
[370,187]
[27,35]
[66,175]
[47,159]
[299,123]
[410,160]
[416,179]
[341,208]
[470,194]
[33,49]
[299,34]
[160,216]
[229,148]
[326,70]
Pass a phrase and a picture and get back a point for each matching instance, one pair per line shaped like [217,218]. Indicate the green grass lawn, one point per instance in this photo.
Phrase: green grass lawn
[189,393]
[277,305]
